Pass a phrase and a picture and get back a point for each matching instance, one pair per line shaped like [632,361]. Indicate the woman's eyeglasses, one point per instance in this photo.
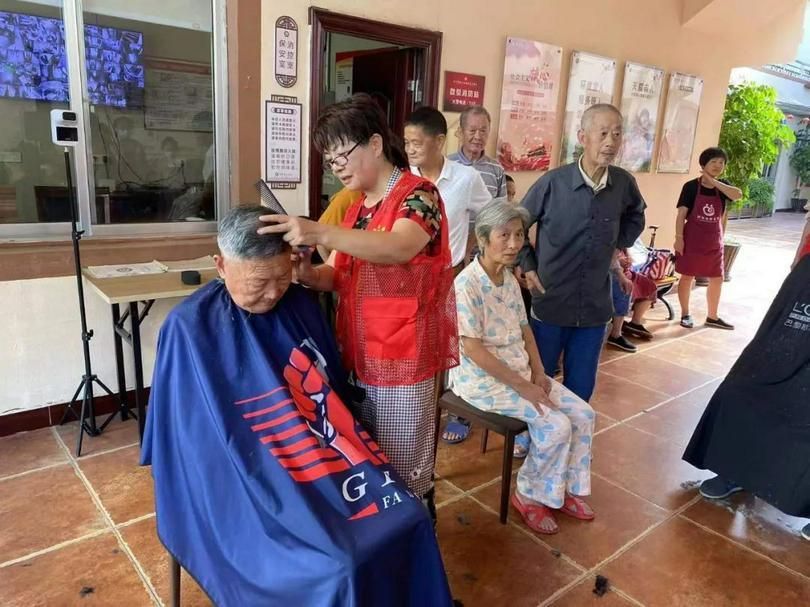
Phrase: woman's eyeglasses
[340,160]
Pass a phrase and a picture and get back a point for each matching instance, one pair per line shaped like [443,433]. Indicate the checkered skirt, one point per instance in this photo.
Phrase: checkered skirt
[402,421]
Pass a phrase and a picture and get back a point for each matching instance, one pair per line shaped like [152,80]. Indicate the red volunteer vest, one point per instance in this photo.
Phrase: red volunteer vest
[396,324]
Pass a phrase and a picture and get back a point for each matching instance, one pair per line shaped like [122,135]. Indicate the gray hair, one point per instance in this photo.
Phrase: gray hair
[473,110]
[238,239]
[588,115]
[497,214]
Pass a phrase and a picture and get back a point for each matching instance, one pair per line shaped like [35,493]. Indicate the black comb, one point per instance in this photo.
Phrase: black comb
[268,198]
[271,202]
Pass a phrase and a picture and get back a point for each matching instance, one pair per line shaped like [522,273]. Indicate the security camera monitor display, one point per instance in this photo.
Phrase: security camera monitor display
[33,61]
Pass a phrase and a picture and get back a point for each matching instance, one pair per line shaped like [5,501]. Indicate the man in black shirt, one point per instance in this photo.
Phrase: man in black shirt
[584,212]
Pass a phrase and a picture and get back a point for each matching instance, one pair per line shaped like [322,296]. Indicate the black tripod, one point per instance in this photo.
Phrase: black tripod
[87,417]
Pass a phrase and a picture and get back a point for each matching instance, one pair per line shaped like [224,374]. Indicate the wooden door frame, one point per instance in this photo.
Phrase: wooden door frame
[325,22]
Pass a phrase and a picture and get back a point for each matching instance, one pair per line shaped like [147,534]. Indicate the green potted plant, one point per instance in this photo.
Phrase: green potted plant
[760,196]
[731,248]
[796,202]
[752,132]
[800,162]
[735,209]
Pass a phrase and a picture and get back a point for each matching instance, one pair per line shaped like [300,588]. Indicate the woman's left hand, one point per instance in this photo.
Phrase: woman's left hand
[296,230]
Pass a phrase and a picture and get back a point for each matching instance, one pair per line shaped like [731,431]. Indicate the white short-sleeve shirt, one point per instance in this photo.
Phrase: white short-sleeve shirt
[464,195]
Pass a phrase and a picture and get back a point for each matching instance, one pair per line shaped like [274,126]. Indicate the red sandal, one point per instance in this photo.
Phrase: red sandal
[575,507]
[534,515]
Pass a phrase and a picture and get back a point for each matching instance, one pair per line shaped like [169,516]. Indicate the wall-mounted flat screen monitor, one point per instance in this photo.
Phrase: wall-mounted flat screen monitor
[33,62]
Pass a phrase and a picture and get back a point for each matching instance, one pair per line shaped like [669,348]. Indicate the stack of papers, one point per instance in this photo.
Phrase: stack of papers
[201,263]
[152,267]
[127,269]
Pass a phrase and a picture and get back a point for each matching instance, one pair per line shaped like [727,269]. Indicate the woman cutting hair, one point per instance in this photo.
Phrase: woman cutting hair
[390,265]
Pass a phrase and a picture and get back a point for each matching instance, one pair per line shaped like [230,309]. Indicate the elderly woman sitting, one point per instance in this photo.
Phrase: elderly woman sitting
[501,371]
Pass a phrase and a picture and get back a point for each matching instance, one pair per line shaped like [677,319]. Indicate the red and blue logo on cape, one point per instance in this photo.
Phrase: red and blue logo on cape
[307,428]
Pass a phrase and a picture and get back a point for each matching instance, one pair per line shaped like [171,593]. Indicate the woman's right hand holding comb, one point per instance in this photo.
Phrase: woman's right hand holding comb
[303,271]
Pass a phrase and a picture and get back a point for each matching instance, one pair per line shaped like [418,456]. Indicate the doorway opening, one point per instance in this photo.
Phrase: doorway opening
[398,66]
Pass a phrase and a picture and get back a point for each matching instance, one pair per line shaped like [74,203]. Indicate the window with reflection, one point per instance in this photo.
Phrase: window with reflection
[152,134]
[149,84]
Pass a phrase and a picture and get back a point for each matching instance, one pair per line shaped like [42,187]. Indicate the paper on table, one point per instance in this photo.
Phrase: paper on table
[201,263]
[127,269]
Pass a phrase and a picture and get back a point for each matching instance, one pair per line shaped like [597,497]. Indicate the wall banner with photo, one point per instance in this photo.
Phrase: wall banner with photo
[680,123]
[591,82]
[531,77]
[641,96]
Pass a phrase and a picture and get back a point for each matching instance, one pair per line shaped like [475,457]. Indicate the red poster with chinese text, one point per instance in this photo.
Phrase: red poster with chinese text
[462,90]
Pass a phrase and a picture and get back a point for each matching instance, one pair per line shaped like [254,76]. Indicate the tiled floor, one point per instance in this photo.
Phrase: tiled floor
[82,532]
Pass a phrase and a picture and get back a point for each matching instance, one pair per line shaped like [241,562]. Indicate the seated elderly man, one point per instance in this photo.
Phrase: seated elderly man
[267,490]
[500,371]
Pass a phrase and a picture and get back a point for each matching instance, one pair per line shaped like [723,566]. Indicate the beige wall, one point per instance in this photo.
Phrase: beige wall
[475,34]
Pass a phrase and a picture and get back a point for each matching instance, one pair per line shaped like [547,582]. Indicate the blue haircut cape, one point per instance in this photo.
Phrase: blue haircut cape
[267,491]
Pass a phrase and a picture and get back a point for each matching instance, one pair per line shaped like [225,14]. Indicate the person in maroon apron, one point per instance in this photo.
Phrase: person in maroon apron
[699,231]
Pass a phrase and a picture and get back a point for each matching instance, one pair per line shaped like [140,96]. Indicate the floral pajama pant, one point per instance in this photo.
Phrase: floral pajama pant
[559,458]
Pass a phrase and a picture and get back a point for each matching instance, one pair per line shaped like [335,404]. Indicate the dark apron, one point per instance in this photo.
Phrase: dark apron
[703,238]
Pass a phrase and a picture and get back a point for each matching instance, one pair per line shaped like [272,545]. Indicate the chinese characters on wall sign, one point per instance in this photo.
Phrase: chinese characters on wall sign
[282,142]
[286,51]
[462,90]
[641,96]
[680,123]
[591,82]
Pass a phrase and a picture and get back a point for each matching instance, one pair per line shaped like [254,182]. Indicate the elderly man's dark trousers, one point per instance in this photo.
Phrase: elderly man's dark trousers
[580,348]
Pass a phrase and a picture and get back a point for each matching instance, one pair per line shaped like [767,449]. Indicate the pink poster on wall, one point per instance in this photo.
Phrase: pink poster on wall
[531,76]
[641,96]
[591,82]
[680,123]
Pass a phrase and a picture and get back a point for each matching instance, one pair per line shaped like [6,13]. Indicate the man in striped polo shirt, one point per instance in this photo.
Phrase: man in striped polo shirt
[473,134]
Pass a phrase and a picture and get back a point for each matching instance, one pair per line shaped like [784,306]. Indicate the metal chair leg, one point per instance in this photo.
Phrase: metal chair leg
[484,438]
[506,474]
[174,576]
[668,306]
